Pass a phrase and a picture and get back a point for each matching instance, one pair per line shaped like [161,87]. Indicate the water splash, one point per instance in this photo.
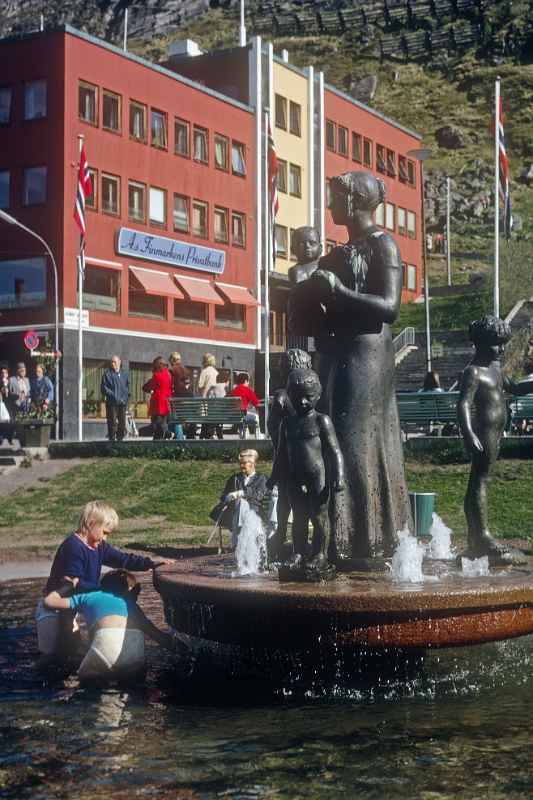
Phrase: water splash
[476,567]
[250,552]
[440,546]
[407,559]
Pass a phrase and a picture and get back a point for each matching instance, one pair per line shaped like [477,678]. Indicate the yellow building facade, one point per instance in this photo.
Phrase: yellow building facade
[290,123]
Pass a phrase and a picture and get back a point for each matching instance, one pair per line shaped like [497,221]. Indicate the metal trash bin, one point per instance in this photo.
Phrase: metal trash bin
[422,507]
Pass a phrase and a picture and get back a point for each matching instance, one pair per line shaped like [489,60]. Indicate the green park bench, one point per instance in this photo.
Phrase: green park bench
[423,408]
[521,408]
[207,411]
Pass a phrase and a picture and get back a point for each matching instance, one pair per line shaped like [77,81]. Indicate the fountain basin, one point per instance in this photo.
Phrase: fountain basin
[356,610]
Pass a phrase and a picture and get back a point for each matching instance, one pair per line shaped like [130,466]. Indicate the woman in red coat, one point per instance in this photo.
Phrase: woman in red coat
[160,386]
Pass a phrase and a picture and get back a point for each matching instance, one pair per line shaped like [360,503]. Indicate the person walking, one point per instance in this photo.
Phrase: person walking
[116,391]
[160,387]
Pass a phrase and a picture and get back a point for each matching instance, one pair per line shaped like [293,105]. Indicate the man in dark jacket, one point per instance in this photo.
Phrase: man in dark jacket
[115,390]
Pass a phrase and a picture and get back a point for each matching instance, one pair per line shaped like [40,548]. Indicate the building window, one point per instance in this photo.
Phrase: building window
[110,194]
[391,163]
[389,216]
[190,311]
[292,254]
[401,220]
[221,224]
[101,289]
[230,316]
[330,245]
[411,173]
[281,112]
[137,201]
[282,175]
[295,118]
[142,304]
[342,141]
[138,121]
[238,163]
[199,219]
[200,145]
[91,200]
[281,241]
[35,100]
[381,164]
[22,283]
[328,192]
[111,116]
[411,277]
[180,213]
[6,97]
[182,132]
[278,330]
[367,153]
[88,103]
[238,229]
[34,186]
[411,225]
[331,135]
[357,147]
[221,152]
[157,204]
[5,184]
[158,126]
[295,180]
[380,215]
[402,169]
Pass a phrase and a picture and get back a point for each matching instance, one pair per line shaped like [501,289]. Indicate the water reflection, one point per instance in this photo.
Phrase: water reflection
[450,724]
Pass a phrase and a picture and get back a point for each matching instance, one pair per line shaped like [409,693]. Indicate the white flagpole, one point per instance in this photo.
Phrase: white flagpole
[80,325]
[268,264]
[497,198]
[242,27]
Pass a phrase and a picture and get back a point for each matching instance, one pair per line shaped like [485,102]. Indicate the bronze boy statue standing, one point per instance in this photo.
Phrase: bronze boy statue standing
[482,413]
[309,462]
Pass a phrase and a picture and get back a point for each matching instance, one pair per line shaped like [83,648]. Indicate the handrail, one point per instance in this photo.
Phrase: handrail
[404,339]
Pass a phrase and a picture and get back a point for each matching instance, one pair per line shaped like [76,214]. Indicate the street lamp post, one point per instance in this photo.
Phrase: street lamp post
[12,221]
[421,154]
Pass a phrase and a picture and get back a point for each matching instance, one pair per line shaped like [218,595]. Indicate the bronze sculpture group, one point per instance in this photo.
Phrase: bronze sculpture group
[338,453]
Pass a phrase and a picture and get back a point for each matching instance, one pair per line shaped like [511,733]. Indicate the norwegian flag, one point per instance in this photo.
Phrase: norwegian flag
[84,189]
[273,188]
[504,177]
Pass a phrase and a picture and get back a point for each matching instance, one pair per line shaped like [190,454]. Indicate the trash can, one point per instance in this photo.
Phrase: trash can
[422,507]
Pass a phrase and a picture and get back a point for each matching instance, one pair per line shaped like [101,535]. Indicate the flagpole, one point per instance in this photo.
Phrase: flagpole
[268,264]
[80,327]
[497,197]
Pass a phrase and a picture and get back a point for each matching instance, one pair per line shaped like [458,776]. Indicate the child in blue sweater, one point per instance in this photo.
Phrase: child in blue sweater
[76,567]
[116,626]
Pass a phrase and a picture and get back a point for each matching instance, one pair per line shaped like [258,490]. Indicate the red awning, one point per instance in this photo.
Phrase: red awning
[199,291]
[159,283]
[237,294]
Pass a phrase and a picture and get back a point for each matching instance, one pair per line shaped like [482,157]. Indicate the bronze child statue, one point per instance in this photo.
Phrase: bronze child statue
[307,248]
[309,462]
[482,413]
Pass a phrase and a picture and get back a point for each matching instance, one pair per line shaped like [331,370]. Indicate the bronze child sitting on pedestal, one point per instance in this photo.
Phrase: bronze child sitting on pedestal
[482,413]
[309,462]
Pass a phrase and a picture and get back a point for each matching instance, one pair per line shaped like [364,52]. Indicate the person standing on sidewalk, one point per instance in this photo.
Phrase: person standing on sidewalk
[116,391]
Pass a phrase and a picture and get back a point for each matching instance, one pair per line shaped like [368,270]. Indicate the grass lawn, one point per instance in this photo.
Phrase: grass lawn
[164,504]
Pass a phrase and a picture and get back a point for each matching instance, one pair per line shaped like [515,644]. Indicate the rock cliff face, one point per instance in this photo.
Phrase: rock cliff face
[105,18]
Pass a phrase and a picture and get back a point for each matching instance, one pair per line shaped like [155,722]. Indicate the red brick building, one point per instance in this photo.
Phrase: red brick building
[357,137]
[171,261]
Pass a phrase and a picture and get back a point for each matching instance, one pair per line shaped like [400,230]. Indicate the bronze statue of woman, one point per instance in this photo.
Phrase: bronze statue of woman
[349,303]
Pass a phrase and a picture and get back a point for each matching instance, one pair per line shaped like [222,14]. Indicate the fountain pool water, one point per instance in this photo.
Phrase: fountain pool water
[459,725]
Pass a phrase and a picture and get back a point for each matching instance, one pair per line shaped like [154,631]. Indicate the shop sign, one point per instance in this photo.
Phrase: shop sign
[163,250]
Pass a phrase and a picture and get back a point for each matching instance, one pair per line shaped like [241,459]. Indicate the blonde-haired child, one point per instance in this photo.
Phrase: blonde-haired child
[76,567]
